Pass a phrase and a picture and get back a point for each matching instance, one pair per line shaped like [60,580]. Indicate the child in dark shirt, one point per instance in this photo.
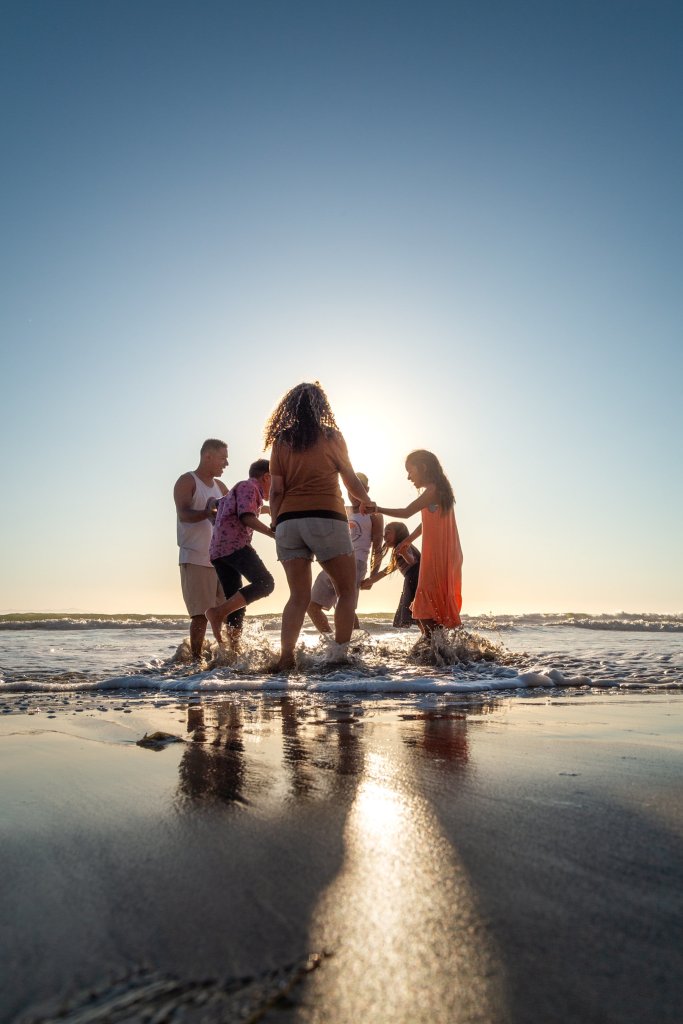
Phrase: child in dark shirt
[408,564]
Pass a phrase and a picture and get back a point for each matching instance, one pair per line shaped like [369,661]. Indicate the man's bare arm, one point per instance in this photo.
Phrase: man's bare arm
[183,493]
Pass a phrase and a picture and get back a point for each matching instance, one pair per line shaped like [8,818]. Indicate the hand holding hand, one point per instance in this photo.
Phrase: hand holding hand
[211,507]
[368,507]
[365,585]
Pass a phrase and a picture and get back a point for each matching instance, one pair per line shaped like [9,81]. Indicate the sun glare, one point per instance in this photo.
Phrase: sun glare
[373,447]
[400,908]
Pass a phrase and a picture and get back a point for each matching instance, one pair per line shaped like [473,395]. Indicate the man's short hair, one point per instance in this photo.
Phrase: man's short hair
[259,468]
[212,444]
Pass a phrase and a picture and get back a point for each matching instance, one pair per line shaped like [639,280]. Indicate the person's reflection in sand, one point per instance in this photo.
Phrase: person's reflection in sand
[445,736]
[295,752]
[443,739]
[213,766]
[348,729]
[335,746]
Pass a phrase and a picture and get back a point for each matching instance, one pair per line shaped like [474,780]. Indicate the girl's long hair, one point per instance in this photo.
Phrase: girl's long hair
[400,533]
[300,418]
[434,474]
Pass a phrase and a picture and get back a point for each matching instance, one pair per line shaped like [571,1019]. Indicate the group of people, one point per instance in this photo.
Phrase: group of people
[308,519]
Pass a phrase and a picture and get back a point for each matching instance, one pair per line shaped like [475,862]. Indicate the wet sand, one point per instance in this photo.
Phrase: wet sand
[297,860]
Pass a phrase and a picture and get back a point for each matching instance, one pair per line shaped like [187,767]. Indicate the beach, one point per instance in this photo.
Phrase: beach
[328,315]
[297,856]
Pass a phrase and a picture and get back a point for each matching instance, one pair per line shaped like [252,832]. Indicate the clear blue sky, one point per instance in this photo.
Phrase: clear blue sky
[464,219]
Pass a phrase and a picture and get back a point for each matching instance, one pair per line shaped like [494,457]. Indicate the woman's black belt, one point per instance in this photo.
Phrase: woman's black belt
[312,513]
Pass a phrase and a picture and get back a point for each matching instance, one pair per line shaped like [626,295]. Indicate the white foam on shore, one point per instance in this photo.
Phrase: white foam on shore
[336,682]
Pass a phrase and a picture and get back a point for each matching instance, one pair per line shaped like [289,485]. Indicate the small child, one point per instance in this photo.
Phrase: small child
[408,564]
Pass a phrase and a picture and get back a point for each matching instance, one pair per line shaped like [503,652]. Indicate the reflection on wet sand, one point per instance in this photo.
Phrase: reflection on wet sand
[212,767]
[295,751]
[408,942]
[275,749]
[444,737]
[400,917]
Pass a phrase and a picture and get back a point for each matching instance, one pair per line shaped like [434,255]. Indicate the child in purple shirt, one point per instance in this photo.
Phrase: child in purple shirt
[232,554]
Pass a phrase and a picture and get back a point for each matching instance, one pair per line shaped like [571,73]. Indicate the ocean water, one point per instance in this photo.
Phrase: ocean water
[111,656]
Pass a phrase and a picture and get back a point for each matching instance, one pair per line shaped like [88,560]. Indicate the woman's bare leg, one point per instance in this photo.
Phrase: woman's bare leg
[342,571]
[299,578]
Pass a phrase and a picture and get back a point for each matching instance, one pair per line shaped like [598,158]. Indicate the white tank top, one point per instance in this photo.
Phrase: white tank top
[361,535]
[194,538]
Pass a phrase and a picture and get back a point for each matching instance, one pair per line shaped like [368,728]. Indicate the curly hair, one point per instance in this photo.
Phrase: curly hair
[434,474]
[300,418]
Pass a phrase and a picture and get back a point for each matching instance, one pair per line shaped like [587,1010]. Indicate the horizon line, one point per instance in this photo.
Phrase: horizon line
[389,611]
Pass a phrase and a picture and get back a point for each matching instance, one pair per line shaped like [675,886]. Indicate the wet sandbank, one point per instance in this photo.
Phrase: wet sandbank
[496,860]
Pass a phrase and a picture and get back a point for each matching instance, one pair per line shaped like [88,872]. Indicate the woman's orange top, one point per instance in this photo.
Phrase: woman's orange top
[439,586]
[311,478]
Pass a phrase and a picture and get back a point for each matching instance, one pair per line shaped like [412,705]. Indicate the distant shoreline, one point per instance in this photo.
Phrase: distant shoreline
[649,622]
[71,614]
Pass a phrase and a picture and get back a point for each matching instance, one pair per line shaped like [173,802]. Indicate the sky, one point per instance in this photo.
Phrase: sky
[463,219]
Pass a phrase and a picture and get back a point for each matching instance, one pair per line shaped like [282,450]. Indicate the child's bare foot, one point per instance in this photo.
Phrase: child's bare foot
[215,620]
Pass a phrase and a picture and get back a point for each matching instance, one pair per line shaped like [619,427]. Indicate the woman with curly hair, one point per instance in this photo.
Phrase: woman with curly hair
[309,517]
[438,598]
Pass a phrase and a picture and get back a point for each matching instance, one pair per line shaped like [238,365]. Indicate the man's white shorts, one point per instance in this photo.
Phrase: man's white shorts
[201,588]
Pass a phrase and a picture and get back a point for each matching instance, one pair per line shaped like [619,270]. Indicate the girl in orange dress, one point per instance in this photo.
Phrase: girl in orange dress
[438,598]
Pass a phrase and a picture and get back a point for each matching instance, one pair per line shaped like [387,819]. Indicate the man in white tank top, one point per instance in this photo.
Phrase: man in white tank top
[196,495]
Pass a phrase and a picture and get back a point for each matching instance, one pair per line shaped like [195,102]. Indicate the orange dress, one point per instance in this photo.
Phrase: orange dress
[439,587]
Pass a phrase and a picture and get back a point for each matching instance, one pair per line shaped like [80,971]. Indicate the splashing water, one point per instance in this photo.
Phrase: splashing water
[503,655]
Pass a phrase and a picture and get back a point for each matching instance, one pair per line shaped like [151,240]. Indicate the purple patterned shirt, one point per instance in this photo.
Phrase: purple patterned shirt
[229,532]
